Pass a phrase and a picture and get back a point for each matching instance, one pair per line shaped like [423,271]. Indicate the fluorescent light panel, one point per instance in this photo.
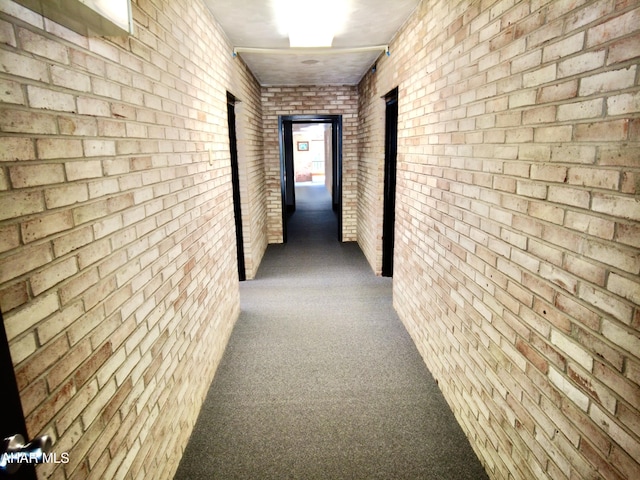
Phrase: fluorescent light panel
[310,23]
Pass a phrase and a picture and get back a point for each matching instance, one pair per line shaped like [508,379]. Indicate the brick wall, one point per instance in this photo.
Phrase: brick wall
[310,100]
[251,172]
[371,151]
[518,224]
[118,277]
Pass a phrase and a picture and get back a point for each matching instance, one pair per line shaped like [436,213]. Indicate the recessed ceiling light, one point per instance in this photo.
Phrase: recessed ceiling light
[310,23]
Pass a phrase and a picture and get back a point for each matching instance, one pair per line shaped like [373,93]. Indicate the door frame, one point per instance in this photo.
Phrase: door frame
[390,174]
[235,182]
[285,129]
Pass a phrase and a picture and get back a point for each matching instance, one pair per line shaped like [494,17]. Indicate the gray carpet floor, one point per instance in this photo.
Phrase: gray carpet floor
[320,379]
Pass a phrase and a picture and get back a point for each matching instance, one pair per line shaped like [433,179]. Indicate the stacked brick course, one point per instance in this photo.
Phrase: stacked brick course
[118,278]
[310,100]
[518,224]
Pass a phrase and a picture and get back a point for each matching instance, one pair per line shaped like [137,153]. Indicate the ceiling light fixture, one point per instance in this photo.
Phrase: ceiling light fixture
[310,23]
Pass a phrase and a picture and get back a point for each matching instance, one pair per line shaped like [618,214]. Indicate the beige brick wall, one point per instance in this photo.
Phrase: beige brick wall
[118,278]
[518,224]
[311,100]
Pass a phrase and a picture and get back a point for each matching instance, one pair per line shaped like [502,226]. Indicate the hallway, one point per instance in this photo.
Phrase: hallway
[320,379]
[516,260]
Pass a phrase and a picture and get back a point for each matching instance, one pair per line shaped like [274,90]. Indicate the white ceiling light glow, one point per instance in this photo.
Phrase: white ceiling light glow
[310,23]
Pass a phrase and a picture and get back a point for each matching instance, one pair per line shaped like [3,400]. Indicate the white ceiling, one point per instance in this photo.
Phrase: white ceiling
[252,23]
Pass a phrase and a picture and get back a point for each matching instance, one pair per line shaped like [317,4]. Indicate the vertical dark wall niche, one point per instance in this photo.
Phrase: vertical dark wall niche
[390,157]
[235,180]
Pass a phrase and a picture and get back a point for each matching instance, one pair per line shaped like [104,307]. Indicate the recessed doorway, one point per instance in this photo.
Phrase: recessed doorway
[322,158]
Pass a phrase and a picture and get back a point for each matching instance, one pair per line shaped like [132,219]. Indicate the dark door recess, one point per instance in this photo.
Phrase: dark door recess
[235,180]
[390,157]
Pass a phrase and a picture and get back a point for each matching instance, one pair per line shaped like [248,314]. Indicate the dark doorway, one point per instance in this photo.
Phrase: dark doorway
[235,180]
[390,157]
[12,419]
[287,174]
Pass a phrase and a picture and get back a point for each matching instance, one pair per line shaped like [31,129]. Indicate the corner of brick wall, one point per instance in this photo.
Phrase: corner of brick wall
[517,254]
[118,279]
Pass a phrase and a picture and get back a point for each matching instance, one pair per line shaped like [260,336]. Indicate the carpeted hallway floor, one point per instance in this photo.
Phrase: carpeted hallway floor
[320,380]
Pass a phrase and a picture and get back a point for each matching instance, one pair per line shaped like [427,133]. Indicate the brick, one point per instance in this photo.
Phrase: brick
[540,76]
[42,227]
[558,92]
[537,153]
[523,98]
[7,35]
[614,28]
[611,131]
[619,155]
[65,195]
[608,81]
[58,322]
[612,254]
[569,389]
[22,320]
[569,196]
[619,435]
[43,47]
[572,349]
[563,48]
[9,238]
[24,261]
[50,99]
[593,177]
[623,462]
[77,126]
[52,148]
[68,364]
[623,104]
[72,289]
[590,224]
[582,63]
[35,175]
[558,134]
[23,66]
[526,62]
[617,205]
[628,234]
[573,154]
[630,183]
[624,287]
[94,148]
[558,277]
[580,110]
[14,296]
[11,92]
[83,169]
[607,303]
[69,78]
[16,121]
[23,348]
[16,148]
[624,49]
[4,181]
[538,115]
[93,107]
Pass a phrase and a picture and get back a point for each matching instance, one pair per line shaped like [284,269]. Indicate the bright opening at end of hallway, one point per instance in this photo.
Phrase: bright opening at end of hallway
[311,153]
